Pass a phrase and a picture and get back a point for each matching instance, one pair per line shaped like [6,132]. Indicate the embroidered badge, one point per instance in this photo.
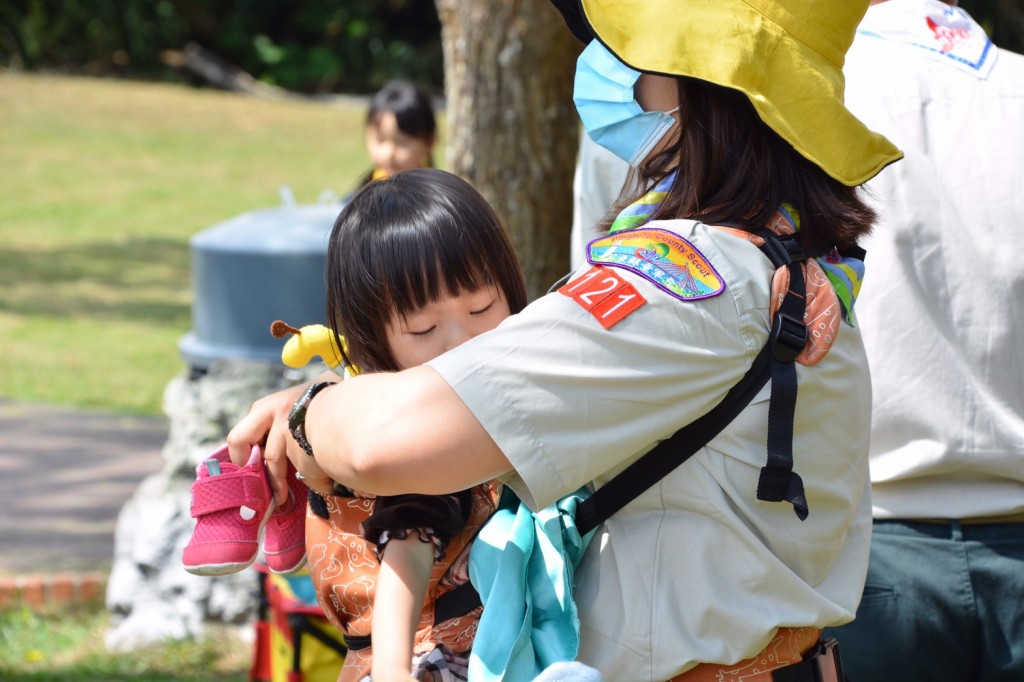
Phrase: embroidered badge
[947,34]
[667,260]
[603,293]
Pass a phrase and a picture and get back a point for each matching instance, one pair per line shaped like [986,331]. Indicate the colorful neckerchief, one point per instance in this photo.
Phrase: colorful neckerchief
[843,272]
[640,211]
[830,280]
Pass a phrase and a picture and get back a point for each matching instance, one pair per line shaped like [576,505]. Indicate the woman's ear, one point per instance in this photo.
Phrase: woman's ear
[654,92]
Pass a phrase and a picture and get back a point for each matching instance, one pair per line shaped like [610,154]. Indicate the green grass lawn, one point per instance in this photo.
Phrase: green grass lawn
[103,184]
[66,646]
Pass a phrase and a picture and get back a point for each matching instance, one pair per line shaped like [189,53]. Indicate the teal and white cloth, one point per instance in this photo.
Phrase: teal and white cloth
[525,560]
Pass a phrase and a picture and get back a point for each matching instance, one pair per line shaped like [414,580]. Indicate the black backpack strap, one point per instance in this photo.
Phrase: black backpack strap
[787,339]
[673,451]
[457,602]
[358,642]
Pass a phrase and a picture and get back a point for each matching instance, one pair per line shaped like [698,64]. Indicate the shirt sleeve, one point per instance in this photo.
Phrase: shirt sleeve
[570,402]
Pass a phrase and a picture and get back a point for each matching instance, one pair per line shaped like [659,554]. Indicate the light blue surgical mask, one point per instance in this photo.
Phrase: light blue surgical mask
[603,93]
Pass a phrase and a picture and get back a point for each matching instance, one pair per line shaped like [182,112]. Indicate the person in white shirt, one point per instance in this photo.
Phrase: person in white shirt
[941,313]
[596,184]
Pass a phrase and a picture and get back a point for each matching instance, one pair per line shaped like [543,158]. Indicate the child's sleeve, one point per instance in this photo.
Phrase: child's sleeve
[431,518]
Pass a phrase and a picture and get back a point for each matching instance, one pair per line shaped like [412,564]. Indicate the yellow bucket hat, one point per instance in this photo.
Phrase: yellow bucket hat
[786,56]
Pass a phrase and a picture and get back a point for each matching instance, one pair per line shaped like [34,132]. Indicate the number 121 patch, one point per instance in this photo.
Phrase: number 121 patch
[607,297]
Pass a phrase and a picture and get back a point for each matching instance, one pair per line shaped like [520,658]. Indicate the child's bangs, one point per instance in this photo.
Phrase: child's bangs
[429,266]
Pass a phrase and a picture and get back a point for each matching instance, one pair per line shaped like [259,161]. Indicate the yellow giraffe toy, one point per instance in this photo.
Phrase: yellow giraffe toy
[308,342]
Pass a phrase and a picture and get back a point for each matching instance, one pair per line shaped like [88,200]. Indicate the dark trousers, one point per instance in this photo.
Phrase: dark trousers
[943,602]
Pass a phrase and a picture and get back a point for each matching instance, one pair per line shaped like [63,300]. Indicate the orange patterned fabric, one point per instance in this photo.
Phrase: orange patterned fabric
[344,567]
[822,313]
[788,646]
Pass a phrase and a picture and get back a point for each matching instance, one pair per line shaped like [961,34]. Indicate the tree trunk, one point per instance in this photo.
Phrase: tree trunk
[512,128]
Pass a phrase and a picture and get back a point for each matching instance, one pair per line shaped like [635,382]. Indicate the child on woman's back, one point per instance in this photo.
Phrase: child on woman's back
[417,264]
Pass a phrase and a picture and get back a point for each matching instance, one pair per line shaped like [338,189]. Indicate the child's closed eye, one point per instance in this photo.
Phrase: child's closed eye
[423,332]
[484,309]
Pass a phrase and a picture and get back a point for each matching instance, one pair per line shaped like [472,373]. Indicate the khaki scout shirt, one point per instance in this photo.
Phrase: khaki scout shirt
[696,569]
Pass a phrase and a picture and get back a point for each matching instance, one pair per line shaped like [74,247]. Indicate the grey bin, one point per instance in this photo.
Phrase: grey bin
[251,270]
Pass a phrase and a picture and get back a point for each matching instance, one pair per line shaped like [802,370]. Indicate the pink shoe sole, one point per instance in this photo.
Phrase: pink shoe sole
[232,505]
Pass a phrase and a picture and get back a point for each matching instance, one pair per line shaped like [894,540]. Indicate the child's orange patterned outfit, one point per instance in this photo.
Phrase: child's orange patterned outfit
[343,565]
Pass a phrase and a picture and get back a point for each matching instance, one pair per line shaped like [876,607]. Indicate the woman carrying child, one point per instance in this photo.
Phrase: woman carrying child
[737,242]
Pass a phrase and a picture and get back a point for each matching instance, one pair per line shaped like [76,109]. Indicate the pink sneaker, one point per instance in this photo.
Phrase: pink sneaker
[284,545]
[231,506]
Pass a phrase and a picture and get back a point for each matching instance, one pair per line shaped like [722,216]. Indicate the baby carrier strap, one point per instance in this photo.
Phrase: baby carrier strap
[777,481]
[457,602]
[787,339]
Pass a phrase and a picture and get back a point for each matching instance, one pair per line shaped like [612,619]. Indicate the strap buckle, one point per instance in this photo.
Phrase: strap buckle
[821,664]
[788,337]
[782,249]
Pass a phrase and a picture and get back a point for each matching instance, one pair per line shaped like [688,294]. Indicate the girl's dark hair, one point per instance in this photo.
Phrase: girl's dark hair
[411,106]
[403,242]
[734,169]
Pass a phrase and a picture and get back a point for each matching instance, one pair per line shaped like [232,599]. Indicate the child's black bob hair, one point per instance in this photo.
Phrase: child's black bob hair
[403,242]
[411,106]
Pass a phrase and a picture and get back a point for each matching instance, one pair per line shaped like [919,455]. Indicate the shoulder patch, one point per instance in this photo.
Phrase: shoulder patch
[604,294]
[665,259]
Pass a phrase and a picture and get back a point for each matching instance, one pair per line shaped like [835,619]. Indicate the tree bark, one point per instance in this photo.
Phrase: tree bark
[512,127]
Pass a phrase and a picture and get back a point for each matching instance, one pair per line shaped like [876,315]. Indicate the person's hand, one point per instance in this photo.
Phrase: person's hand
[267,423]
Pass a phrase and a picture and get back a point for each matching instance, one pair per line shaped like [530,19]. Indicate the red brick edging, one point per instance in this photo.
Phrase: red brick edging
[64,589]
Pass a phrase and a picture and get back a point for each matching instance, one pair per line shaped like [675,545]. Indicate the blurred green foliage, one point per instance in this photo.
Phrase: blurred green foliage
[351,46]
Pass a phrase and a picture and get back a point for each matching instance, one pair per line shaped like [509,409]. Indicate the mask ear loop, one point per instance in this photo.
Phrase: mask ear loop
[654,137]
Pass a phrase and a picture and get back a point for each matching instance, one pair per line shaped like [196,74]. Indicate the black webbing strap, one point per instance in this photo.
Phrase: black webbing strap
[458,602]
[357,642]
[787,339]
[673,451]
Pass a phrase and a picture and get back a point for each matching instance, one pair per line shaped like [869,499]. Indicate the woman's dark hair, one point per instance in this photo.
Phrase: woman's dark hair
[411,106]
[734,169]
[403,242]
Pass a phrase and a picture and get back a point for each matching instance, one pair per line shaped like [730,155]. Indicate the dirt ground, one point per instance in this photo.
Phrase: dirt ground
[64,476]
